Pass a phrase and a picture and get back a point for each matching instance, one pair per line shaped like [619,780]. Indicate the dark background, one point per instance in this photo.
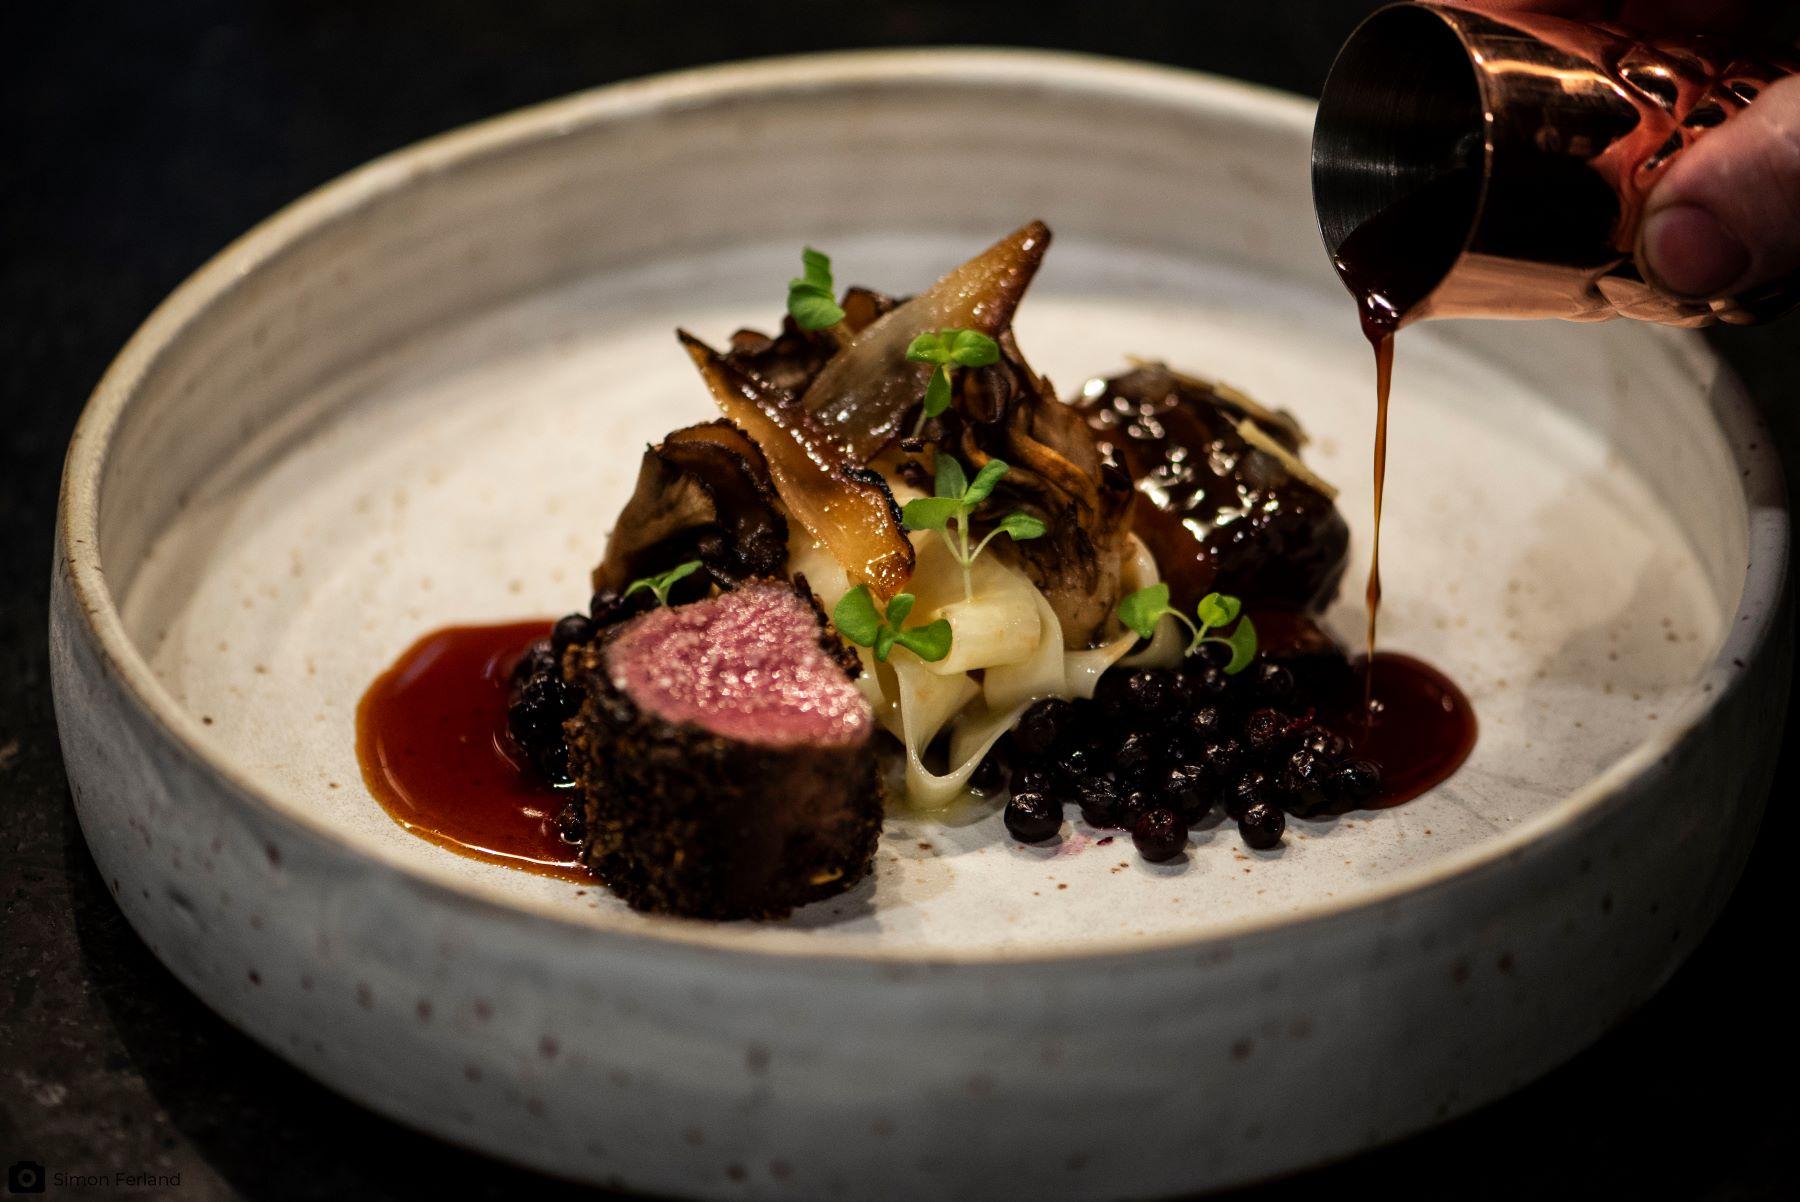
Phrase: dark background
[137,139]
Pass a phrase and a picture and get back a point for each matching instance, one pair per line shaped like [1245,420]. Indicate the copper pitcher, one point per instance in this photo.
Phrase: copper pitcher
[1520,148]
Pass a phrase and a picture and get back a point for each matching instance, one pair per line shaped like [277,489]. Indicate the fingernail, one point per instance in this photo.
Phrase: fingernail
[1686,251]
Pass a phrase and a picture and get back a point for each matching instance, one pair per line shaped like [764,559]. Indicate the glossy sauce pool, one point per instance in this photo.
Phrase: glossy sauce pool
[1408,717]
[432,740]
[1391,708]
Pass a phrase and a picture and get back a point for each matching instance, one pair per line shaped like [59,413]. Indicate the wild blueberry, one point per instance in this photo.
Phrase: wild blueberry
[1304,779]
[575,628]
[1159,835]
[1357,781]
[1185,790]
[1043,727]
[1272,683]
[1032,817]
[1265,730]
[1262,826]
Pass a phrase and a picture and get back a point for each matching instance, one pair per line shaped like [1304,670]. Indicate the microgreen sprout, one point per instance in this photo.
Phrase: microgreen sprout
[660,585]
[955,503]
[948,350]
[812,298]
[858,620]
[1142,610]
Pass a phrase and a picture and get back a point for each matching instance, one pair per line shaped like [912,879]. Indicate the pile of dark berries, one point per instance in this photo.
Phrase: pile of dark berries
[539,700]
[1156,749]
[536,707]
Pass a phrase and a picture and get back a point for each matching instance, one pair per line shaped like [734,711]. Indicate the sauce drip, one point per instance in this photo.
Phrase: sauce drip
[1384,379]
[1380,264]
[431,736]
[1412,719]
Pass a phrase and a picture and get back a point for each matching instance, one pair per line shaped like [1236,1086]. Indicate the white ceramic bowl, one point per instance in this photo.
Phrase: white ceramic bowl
[418,396]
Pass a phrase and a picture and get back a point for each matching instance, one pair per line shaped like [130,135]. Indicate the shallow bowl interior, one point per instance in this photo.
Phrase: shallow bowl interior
[419,398]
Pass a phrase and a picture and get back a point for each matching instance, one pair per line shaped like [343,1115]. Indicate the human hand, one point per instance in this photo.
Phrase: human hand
[1725,217]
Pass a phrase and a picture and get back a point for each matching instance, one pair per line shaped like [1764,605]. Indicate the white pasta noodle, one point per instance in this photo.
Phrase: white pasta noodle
[999,626]
[1008,631]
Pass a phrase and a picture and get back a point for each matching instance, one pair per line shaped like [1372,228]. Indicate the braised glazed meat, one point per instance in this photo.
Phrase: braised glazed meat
[1222,501]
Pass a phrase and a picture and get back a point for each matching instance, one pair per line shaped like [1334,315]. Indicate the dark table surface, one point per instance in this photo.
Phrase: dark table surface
[139,138]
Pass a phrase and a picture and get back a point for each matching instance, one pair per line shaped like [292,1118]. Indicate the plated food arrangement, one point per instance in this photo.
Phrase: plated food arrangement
[423,396]
[899,570]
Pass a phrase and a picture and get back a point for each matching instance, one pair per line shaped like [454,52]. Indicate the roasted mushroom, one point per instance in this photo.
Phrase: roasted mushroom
[841,503]
[1009,412]
[864,393]
[703,492]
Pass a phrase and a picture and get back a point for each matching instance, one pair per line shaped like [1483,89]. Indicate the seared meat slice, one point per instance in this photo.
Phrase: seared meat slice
[725,757]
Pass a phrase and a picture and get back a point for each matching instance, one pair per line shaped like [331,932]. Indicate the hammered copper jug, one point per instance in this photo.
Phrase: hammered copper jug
[1529,144]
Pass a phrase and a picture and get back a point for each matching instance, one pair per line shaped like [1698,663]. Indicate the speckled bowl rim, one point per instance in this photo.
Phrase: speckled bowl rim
[1760,483]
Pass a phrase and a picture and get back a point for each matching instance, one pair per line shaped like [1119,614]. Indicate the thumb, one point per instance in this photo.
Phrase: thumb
[1726,217]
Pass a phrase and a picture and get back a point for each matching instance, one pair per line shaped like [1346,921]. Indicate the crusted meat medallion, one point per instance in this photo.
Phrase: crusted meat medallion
[725,756]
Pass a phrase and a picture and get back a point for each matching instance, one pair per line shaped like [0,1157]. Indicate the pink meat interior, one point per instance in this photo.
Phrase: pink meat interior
[745,665]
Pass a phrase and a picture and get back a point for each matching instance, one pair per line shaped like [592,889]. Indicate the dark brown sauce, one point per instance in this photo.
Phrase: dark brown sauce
[1411,719]
[1398,711]
[432,740]
[1408,717]
[1379,264]
[1384,379]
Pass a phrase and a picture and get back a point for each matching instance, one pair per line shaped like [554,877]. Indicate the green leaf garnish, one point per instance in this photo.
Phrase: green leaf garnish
[930,642]
[856,617]
[1216,609]
[983,484]
[1022,527]
[950,480]
[947,349]
[959,348]
[937,392]
[930,513]
[928,347]
[1242,642]
[950,511]
[972,348]
[811,295]
[814,310]
[816,266]
[858,620]
[1142,610]
[660,585]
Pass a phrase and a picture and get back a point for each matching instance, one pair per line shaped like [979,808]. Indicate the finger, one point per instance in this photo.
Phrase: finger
[1727,216]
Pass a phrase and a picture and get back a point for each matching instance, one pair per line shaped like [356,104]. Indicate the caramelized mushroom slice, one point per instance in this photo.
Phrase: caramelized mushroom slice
[794,357]
[704,491]
[866,389]
[1010,413]
[842,504]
